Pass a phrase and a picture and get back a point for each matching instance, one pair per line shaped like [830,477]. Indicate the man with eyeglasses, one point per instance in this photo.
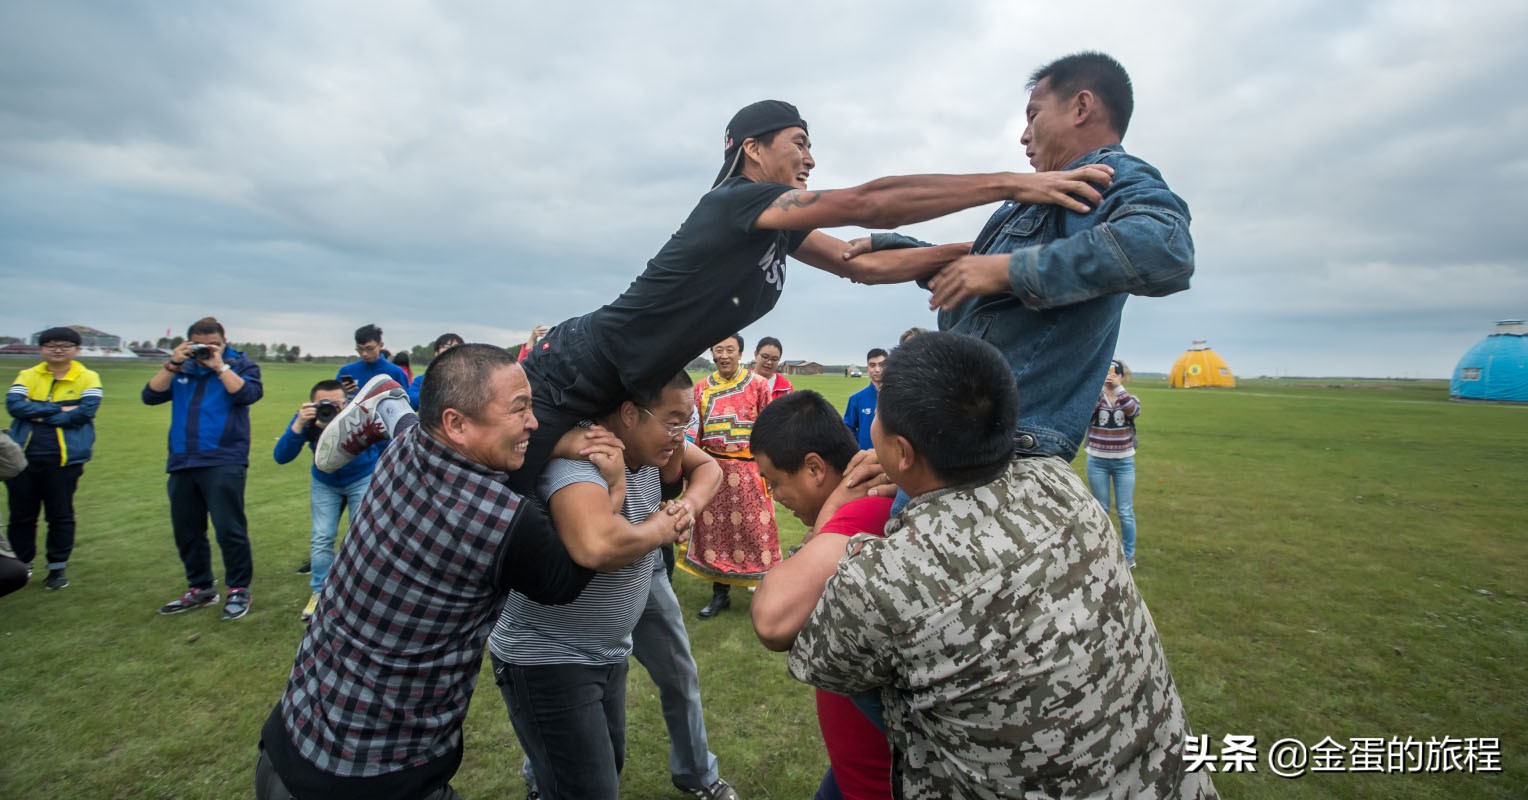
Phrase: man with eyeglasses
[52,407]
[368,345]
[562,668]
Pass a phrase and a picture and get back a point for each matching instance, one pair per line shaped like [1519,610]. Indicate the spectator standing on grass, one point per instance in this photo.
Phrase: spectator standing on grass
[329,493]
[735,539]
[861,410]
[766,365]
[373,362]
[1014,655]
[1111,452]
[443,342]
[52,407]
[210,387]
[13,573]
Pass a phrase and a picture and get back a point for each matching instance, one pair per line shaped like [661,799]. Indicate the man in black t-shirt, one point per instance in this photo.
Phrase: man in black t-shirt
[724,268]
[727,263]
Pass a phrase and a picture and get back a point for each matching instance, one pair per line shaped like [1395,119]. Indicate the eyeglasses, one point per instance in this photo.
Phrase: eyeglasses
[767,359]
[674,430]
[63,346]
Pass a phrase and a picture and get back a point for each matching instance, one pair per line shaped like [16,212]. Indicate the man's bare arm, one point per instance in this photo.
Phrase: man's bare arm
[901,200]
[602,541]
[827,253]
[791,590]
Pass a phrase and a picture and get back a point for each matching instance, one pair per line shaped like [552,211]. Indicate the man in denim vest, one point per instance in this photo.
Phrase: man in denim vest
[1046,285]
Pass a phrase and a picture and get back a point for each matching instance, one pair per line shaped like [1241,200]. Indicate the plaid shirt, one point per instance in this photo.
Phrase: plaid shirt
[383,677]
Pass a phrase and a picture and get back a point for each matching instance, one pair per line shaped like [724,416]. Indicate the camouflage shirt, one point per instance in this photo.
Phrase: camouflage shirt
[1013,652]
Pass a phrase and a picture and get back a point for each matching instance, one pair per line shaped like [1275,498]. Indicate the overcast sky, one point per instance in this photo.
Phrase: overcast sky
[1356,171]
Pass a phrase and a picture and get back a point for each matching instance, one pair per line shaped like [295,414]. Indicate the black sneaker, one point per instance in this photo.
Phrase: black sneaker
[56,579]
[29,570]
[193,598]
[237,605]
[721,790]
[306,568]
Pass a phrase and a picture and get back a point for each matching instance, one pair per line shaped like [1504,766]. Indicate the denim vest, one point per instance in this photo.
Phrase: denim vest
[1071,274]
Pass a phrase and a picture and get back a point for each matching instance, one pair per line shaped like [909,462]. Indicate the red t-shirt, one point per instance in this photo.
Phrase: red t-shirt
[859,753]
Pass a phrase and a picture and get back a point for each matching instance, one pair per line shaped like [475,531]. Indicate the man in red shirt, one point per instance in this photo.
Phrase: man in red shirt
[802,449]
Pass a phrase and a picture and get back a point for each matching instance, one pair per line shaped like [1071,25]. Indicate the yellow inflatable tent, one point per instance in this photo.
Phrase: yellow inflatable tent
[1201,366]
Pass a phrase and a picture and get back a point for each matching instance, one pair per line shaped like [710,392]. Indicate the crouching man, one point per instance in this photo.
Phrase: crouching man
[997,617]
[562,669]
[380,686]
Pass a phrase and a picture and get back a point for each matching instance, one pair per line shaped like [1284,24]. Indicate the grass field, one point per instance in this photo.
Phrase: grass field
[1342,559]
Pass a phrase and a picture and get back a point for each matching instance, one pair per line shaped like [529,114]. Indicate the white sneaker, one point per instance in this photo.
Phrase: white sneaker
[357,426]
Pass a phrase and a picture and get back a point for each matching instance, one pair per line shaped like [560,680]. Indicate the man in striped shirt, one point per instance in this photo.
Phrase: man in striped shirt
[562,669]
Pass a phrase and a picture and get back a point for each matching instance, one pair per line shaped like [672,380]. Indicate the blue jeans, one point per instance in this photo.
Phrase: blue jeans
[1121,473]
[571,723]
[662,646]
[327,501]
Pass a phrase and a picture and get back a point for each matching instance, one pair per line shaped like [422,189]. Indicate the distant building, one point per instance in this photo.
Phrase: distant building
[90,338]
[798,367]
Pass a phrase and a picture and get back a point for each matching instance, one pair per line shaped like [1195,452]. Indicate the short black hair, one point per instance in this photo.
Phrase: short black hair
[60,334]
[401,358]
[875,352]
[204,326]
[765,342]
[738,337]
[652,397]
[953,397]
[801,423]
[330,385]
[459,380]
[1097,73]
[368,333]
[448,338]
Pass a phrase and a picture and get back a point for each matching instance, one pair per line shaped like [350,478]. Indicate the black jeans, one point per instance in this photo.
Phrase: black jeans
[218,492]
[48,488]
[268,785]
[571,723]
[571,380]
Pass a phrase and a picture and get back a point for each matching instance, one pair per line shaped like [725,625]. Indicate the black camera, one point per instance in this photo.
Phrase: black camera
[200,352]
[325,411]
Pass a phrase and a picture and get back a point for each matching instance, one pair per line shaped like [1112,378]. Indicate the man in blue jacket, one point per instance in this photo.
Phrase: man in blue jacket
[210,387]
[861,410]
[330,492]
[368,345]
[1046,285]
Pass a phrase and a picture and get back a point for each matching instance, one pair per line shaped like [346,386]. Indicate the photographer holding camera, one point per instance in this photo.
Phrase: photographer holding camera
[329,491]
[210,387]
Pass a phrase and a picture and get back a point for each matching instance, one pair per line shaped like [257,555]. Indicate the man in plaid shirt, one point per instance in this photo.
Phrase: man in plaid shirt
[375,703]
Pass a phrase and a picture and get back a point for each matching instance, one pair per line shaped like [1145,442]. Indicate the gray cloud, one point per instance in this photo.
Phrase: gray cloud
[1355,171]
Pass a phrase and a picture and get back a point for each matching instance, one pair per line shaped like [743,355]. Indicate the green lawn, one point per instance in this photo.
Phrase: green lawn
[1343,559]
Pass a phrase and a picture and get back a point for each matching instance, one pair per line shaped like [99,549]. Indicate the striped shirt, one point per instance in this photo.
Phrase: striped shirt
[596,628]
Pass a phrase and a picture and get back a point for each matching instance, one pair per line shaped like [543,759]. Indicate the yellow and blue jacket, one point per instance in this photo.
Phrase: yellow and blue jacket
[36,402]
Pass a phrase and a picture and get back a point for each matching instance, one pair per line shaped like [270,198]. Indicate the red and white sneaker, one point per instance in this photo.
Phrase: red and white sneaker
[357,426]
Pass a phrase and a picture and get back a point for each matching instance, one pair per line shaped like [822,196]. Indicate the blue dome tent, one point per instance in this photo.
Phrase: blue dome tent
[1496,368]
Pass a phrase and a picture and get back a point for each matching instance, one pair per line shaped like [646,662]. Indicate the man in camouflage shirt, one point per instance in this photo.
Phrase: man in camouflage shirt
[998,618]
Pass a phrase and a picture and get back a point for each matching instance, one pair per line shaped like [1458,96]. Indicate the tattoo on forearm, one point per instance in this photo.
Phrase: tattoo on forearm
[796,198]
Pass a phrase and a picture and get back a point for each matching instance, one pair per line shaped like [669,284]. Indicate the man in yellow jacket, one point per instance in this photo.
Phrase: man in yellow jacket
[53,407]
